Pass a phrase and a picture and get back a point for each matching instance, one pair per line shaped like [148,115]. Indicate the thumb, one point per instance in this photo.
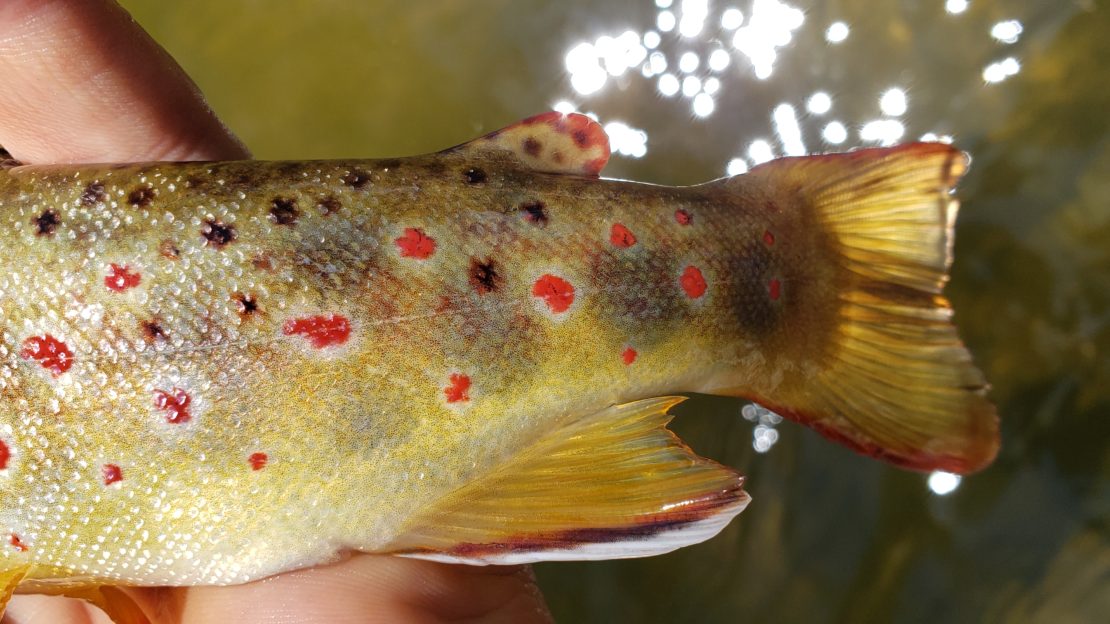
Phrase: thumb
[364,588]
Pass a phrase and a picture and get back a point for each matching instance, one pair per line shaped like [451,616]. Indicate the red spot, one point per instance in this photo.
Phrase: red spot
[768,238]
[555,291]
[320,331]
[121,277]
[175,403]
[111,473]
[258,460]
[774,289]
[5,455]
[683,217]
[18,543]
[456,389]
[621,236]
[416,244]
[628,355]
[51,353]
[693,282]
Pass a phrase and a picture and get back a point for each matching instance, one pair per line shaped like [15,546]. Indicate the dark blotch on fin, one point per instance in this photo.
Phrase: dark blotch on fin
[46,223]
[534,212]
[141,196]
[484,276]
[218,234]
[532,147]
[474,175]
[284,211]
[93,194]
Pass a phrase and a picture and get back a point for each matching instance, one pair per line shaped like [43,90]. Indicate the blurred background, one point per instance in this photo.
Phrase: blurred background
[691,90]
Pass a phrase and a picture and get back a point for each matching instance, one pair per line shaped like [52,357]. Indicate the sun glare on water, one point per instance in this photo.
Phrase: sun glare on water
[696,52]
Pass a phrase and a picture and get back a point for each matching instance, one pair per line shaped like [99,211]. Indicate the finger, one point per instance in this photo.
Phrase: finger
[364,588]
[84,83]
[32,609]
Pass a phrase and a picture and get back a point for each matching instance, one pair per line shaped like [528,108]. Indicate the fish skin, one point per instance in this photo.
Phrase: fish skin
[254,389]
[353,340]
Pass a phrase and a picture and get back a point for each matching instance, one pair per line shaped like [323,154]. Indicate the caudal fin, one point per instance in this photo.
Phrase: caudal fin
[897,383]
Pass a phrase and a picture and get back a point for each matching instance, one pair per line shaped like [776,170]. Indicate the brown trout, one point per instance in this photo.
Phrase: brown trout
[215,372]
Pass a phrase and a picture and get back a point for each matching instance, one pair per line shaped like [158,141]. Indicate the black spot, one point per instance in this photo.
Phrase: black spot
[474,175]
[46,223]
[93,194]
[141,196]
[169,249]
[534,212]
[532,146]
[284,211]
[356,178]
[484,276]
[247,304]
[153,331]
[218,234]
[328,205]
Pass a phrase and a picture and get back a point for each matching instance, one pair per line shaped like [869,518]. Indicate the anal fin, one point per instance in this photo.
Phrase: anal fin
[615,484]
[10,578]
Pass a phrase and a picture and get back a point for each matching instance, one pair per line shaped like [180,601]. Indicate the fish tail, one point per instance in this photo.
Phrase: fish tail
[893,381]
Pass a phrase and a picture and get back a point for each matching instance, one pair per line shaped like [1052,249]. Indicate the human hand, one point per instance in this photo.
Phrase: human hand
[84,83]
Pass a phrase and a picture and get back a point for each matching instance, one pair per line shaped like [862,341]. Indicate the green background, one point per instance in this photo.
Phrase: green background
[830,536]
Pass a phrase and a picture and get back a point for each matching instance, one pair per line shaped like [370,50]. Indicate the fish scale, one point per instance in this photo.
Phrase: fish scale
[214,372]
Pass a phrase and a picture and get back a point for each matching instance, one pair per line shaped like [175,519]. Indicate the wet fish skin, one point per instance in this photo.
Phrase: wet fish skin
[213,372]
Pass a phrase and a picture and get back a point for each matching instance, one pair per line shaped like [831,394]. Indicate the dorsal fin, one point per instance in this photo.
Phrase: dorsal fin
[551,142]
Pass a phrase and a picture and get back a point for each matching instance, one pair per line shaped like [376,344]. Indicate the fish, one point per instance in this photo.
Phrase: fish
[213,372]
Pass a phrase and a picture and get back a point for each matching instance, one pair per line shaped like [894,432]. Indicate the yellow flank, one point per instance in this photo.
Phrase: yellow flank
[214,372]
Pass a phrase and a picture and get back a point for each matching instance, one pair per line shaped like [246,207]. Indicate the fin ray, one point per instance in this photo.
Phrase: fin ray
[900,385]
[614,484]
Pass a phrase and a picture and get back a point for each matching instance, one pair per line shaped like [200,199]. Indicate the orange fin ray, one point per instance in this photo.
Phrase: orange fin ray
[615,484]
[551,142]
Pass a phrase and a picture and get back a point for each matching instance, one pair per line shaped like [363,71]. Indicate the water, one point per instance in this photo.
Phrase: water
[1022,85]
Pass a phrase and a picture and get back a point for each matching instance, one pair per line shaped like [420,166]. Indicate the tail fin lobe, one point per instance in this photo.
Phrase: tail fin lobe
[898,383]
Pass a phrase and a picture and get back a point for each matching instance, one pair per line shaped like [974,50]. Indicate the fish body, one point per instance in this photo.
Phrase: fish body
[214,372]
